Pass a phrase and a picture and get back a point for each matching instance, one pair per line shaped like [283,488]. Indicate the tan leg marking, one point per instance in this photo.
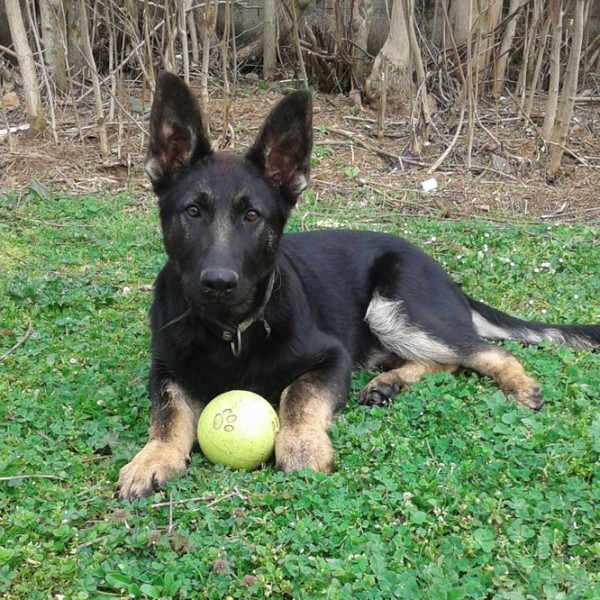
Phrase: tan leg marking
[172,434]
[305,414]
[384,387]
[508,372]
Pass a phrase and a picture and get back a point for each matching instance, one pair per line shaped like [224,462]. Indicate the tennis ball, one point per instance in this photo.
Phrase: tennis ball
[238,429]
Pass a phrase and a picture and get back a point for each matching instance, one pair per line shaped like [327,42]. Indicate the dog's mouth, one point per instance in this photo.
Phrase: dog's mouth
[221,308]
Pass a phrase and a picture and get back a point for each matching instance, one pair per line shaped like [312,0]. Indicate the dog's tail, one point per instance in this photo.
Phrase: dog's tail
[497,325]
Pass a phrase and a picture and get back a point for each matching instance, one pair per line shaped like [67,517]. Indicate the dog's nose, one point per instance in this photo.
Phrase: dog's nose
[219,281]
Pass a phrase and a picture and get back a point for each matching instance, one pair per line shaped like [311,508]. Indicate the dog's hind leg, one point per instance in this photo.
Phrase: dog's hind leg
[508,372]
[382,389]
[172,434]
[437,344]
[497,363]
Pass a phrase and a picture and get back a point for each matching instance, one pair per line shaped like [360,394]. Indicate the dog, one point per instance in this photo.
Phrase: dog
[240,305]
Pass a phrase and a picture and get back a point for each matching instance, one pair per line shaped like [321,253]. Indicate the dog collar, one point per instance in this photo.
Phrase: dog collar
[233,333]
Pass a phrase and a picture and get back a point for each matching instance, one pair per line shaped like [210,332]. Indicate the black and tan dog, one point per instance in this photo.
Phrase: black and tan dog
[238,305]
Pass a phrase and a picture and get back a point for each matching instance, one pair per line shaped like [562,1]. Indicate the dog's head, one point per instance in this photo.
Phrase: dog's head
[222,214]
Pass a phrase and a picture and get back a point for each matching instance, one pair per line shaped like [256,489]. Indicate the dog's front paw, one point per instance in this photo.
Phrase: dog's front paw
[150,469]
[300,449]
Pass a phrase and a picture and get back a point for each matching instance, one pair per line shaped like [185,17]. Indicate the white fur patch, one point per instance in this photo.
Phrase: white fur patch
[488,330]
[550,334]
[388,322]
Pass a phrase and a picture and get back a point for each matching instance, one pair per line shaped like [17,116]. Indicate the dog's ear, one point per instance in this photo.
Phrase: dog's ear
[283,147]
[177,134]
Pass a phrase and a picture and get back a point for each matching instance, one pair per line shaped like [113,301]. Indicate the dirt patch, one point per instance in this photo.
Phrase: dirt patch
[506,178]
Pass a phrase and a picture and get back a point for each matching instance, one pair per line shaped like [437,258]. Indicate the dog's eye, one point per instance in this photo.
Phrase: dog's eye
[251,215]
[192,211]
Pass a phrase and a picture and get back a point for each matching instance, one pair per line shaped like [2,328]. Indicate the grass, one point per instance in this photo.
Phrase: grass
[452,492]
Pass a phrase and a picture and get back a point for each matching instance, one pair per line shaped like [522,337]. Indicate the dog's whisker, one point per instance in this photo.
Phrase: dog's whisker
[176,319]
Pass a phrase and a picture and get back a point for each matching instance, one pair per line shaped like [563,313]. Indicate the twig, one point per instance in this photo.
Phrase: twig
[170,513]
[580,159]
[296,36]
[88,56]
[210,500]
[92,542]
[362,119]
[235,492]
[375,149]
[431,451]
[43,435]
[19,343]
[570,213]
[334,143]
[184,501]
[383,101]
[14,54]
[482,169]
[446,152]
[16,477]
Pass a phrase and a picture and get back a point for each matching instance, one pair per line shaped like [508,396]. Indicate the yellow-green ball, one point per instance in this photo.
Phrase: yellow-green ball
[238,429]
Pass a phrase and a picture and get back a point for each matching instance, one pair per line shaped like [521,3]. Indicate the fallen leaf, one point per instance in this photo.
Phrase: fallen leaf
[9,101]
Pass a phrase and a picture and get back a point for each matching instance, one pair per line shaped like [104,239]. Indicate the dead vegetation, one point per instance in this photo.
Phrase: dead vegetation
[505,118]
[506,177]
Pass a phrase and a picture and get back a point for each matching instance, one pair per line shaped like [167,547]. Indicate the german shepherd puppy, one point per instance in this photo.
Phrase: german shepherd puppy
[239,305]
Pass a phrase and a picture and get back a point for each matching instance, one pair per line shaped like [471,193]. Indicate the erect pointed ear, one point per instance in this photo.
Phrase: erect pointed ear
[177,134]
[283,147]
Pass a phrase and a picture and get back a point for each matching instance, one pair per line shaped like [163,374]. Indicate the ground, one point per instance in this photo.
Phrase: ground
[506,178]
[449,492]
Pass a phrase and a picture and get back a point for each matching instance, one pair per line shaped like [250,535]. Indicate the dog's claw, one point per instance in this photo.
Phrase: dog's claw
[533,399]
[378,395]
[529,395]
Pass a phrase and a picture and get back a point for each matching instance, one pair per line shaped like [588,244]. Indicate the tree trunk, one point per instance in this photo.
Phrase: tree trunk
[395,57]
[489,13]
[555,10]
[33,103]
[208,28]
[438,26]
[255,48]
[501,65]
[296,40]
[360,25]
[567,97]
[76,62]
[191,25]
[475,21]
[54,37]
[269,39]
[461,19]
[89,57]
[168,45]
[183,38]
[532,81]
